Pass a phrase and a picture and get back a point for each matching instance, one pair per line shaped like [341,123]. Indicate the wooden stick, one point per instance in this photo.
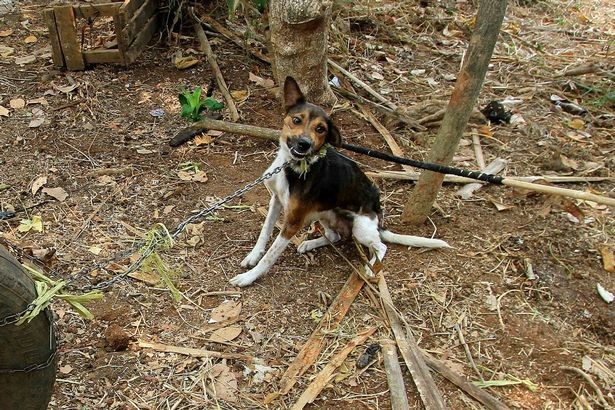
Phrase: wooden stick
[397,390]
[429,392]
[232,37]
[361,84]
[478,150]
[482,396]
[316,342]
[495,167]
[188,351]
[324,376]
[388,138]
[211,58]
[270,134]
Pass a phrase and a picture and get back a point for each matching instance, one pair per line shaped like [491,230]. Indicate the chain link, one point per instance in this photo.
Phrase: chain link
[146,252]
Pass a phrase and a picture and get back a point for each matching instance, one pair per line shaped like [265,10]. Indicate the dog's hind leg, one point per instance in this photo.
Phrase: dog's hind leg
[365,230]
[258,251]
[329,236]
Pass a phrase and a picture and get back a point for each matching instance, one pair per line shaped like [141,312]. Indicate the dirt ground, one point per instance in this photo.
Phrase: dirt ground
[537,340]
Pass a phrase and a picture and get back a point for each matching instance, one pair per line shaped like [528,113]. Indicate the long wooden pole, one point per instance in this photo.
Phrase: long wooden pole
[274,135]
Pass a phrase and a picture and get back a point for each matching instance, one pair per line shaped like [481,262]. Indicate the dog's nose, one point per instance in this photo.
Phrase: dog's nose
[304,144]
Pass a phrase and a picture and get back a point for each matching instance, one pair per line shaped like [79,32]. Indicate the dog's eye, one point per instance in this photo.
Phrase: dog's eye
[296,120]
[320,129]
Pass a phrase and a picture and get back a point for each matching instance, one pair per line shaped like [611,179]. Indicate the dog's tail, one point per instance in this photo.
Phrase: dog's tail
[409,240]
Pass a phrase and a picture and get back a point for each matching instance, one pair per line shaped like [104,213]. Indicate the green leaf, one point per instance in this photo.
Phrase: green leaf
[4,186]
[212,104]
[34,224]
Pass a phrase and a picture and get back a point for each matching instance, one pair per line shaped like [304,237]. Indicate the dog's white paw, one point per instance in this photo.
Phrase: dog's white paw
[252,258]
[245,279]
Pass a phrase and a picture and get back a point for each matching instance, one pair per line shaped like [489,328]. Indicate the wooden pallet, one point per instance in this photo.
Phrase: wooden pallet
[134,21]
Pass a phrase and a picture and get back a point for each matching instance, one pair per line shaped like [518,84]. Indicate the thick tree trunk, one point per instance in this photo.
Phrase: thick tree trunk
[299,32]
[469,81]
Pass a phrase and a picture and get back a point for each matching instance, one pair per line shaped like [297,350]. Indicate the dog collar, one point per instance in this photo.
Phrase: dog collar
[304,163]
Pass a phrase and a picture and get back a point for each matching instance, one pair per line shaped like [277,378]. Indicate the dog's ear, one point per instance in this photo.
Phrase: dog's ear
[334,137]
[292,94]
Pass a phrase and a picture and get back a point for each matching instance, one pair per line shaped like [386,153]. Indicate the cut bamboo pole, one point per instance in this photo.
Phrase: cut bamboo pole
[397,389]
[324,376]
[494,168]
[316,342]
[429,392]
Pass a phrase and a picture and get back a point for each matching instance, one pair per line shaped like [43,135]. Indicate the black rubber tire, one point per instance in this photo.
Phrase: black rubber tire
[25,345]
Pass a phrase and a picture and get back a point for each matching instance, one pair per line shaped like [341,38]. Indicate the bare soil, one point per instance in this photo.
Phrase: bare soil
[529,332]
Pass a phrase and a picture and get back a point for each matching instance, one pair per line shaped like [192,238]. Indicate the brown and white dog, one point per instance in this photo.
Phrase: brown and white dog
[318,184]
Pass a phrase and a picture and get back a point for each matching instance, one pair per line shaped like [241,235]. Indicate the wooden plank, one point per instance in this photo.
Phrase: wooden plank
[67,32]
[129,7]
[102,56]
[142,39]
[56,48]
[122,44]
[85,11]
[141,16]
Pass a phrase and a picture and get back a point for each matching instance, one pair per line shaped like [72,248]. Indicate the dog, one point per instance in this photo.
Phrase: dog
[319,184]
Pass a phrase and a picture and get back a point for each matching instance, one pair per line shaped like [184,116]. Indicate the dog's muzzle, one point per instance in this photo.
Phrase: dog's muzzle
[300,147]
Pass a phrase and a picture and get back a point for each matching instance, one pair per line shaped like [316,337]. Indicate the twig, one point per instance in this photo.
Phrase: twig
[436,116]
[478,150]
[591,382]
[211,58]
[462,340]
[361,84]
[388,138]
[397,390]
[188,351]
[482,396]
[429,392]
[316,342]
[324,376]
[495,167]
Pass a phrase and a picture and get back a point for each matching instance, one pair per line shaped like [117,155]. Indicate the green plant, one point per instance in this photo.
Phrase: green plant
[193,105]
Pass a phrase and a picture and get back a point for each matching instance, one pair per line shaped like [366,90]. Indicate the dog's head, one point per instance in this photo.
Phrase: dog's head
[307,127]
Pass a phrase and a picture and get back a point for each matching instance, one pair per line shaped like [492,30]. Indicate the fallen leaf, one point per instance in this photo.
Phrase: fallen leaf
[198,176]
[185,62]
[6,33]
[17,103]
[608,262]
[226,334]
[203,139]
[224,382]
[240,95]
[57,193]
[38,184]
[6,51]
[377,76]
[500,206]
[36,122]
[229,309]
[66,88]
[30,39]
[145,277]
[34,224]
[25,60]
[4,112]
[95,249]
[577,124]
[193,240]
[418,71]
[145,151]
[65,369]
[266,83]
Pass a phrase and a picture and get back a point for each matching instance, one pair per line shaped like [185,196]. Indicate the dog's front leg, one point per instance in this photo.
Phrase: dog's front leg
[267,261]
[255,255]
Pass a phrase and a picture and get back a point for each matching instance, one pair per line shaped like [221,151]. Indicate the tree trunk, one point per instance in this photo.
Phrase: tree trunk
[469,81]
[299,32]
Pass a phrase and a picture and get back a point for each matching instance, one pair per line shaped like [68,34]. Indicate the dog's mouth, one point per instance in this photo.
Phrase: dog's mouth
[298,155]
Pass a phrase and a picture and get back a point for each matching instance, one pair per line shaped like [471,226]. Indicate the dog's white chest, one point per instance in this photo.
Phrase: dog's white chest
[278,184]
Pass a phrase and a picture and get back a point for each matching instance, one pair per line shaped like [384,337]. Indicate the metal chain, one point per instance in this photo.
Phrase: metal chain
[151,246]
